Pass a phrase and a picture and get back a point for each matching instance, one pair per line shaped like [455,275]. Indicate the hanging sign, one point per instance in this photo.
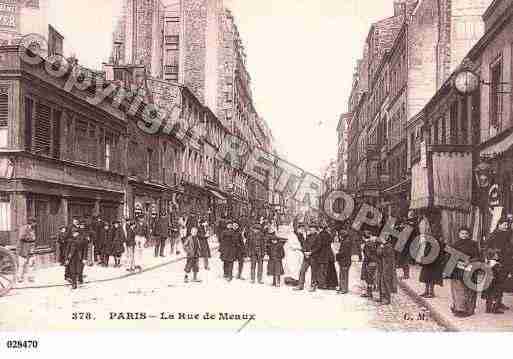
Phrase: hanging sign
[8,13]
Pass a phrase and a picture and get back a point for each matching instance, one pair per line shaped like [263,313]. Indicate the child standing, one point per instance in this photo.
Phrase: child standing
[276,255]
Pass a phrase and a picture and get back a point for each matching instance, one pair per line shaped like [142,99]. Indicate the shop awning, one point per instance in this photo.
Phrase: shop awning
[499,147]
[217,194]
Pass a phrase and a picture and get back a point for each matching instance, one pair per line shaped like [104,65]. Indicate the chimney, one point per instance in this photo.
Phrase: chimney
[399,8]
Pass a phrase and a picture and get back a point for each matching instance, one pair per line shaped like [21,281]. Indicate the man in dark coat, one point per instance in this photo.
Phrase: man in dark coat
[62,239]
[499,248]
[240,249]
[387,272]
[343,258]
[276,255]
[76,255]
[228,251]
[308,242]
[322,255]
[191,246]
[95,228]
[256,244]
[159,229]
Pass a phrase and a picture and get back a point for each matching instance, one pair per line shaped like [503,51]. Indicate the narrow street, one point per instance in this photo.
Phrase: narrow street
[163,291]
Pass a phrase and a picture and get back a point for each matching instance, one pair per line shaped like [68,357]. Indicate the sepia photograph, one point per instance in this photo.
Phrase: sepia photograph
[251,166]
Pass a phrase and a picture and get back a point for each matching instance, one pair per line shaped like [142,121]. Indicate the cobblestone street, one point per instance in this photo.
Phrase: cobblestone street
[163,291]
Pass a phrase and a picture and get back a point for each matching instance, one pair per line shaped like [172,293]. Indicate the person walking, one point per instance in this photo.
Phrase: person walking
[118,243]
[256,245]
[343,259]
[76,256]
[464,298]
[159,229]
[25,250]
[130,245]
[141,237]
[203,236]
[191,245]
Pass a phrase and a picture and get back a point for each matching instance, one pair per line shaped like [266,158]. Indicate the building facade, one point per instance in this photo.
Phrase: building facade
[406,60]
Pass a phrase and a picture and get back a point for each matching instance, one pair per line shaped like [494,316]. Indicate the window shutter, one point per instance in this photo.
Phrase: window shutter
[29,111]
[43,129]
[57,116]
[4,110]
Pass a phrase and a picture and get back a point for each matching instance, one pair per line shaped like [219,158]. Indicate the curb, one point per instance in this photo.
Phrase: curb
[434,313]
[124,276]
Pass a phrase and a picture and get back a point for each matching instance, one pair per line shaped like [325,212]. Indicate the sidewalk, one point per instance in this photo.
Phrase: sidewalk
[53,276]
[440,307]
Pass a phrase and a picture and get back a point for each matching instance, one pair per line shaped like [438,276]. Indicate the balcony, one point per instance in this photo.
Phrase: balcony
[172,39]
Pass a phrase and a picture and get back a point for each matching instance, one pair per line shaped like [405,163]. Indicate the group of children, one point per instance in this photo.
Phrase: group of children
[80,244]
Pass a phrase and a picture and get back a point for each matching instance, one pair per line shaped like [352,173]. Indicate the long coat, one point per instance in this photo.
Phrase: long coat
[228,246]
[276,255]
[76,253]
[323,254]
[105,240]
[256,243]
[387,275]
[432,273]
[343,256]
[239,245]
[204,246]
[118,238]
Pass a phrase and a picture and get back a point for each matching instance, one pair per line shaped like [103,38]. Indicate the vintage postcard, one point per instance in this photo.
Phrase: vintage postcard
[242,165]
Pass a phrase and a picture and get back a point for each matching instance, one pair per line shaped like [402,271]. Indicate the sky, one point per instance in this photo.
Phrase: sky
[301,57]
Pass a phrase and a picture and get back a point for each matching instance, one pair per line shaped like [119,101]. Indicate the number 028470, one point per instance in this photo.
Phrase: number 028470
[22,344]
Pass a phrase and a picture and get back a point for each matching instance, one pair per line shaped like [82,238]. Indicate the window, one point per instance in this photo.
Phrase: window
[496,96]
[108,152]
[82,144]
[5,212]
[4,119]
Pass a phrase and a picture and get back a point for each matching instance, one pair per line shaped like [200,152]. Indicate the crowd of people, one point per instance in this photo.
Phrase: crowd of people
[323,248]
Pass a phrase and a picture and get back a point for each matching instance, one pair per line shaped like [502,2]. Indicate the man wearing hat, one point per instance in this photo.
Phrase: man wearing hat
[26,246]
[240,249]
[499,249]
[308,246]
[256,244]
[228,250]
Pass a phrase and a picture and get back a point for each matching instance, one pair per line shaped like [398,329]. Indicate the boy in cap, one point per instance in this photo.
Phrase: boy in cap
[26,246]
